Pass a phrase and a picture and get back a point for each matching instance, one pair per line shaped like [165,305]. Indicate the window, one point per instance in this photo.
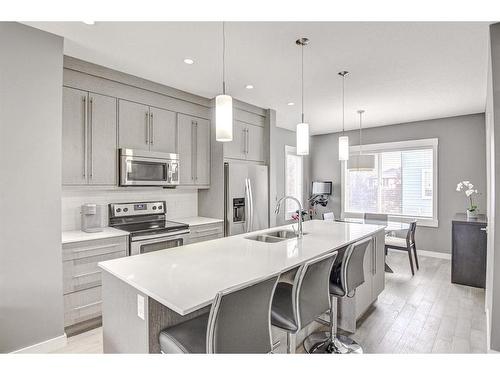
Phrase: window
[293,179]
[402,185]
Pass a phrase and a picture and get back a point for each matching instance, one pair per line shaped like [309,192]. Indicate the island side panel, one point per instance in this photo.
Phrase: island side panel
[161,317]
[123,330]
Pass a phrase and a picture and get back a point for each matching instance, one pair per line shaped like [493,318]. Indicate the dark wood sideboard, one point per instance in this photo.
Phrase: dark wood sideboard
[468,254]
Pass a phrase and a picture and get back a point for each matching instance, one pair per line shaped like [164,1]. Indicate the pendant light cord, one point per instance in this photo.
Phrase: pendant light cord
[223,58]
[343,104]
[302,49]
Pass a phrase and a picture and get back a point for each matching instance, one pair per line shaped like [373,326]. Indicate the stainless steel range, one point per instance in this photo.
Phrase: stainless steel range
[148,226]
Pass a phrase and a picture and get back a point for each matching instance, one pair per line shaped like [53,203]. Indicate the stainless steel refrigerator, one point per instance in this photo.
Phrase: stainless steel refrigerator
[246,201]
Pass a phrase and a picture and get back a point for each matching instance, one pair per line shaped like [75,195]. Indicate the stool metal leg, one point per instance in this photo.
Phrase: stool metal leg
[291,343]
[331,342]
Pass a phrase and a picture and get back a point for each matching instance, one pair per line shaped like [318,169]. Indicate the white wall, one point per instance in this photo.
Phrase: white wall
[31,305]
[180,202]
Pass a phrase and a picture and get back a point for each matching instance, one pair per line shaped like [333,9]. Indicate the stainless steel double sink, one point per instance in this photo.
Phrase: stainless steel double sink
[274,236]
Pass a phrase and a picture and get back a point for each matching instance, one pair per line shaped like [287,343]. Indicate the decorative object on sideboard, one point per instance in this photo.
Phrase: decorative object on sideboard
[468,188]
[223,103]
[92,215]
[343,139]
[302,127]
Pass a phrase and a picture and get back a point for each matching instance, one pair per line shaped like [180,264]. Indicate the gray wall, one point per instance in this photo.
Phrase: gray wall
[461,155]
[31,307]
[493,267]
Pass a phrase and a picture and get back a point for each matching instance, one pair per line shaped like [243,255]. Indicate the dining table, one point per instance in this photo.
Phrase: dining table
[390,226]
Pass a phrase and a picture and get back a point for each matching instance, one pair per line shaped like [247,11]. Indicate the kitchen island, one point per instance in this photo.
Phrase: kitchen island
[146,293]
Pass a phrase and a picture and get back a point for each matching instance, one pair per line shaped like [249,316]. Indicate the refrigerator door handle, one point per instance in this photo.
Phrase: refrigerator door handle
[251,204]
[247,206]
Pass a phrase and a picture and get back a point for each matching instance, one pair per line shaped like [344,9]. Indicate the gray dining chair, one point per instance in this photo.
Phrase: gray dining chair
[239,321]
[296,305]
[371,218]
[405,244]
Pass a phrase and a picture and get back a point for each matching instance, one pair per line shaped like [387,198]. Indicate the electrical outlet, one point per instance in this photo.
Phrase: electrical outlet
[140,306]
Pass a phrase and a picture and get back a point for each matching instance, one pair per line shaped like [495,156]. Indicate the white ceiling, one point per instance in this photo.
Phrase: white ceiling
[399,72]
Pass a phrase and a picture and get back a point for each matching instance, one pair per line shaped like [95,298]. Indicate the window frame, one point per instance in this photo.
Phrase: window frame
[292,150]
[430,143]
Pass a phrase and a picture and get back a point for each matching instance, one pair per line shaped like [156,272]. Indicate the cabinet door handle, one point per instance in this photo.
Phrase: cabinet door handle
[374,244]
[85,136]
[151,126]
[485,229]
[196,152]
[192,151]
[147,128]
[248,141]
[87,306]
[91,126]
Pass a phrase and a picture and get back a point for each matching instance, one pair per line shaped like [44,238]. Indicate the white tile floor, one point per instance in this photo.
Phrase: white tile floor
[421,314]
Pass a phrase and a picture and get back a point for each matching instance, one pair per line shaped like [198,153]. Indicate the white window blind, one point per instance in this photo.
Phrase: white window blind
[293,179]
[402,184]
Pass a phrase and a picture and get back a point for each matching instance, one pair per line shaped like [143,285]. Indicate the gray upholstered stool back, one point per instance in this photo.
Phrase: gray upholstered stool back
[352,272]
[311,289]
[240,319]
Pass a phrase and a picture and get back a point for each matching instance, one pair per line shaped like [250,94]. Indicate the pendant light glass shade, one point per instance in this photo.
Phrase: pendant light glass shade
[344,148]
[223,118]
[302,139]
[361,162]
[223,103]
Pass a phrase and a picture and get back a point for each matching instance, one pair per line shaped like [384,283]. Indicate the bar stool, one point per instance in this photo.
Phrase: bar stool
[298,304]
[238,322]
[343,283]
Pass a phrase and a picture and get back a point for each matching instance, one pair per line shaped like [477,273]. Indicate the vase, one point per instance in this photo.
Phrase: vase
[472,214]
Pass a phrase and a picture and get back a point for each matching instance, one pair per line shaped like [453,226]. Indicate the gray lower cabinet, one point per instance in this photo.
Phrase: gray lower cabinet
[205,232]
[89,138]
[194,150]
[351,309]
[144,127]
[82,280]
[247,144]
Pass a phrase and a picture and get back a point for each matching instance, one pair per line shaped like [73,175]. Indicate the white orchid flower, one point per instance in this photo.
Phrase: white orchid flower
[459,186]
[466,182]
[470,192]
[470,186]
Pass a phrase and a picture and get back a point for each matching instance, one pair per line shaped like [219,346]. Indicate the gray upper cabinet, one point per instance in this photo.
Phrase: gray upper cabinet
[133,121]
[247,143]
[89,138]
[74,137]
[163,130]
[143,127]
[194,150]
[102,127]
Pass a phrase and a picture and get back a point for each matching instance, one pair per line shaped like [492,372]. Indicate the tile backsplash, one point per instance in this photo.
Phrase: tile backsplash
[180,202]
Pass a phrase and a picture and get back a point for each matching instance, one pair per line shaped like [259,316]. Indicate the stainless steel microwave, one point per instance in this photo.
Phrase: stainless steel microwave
[148,168]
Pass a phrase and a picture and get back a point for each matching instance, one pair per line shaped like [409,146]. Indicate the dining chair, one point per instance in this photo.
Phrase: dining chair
[371,218]
[329,216]
[405,244]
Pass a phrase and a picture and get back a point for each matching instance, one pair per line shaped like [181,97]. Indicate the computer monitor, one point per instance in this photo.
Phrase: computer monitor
[321,188]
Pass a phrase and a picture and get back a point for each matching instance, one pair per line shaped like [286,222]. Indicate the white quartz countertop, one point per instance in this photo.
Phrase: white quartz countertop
[187,278]
[197,220]
[78,235]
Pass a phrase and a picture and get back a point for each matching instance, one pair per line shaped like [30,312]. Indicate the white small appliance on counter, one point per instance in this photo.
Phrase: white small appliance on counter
[92,217]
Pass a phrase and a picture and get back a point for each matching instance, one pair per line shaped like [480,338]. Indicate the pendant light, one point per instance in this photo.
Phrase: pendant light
[343,139]
[361,162]
[223,103]
[302,127]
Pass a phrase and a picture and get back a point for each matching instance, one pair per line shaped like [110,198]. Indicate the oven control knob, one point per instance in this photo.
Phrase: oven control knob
[125,209]
[154,207]
[118,210]
[160,207]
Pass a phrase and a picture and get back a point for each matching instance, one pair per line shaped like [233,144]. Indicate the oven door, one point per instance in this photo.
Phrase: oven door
[141,171]
[147,244]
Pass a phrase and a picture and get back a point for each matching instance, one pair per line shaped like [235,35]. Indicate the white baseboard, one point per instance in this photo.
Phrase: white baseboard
[432,254]
[44,346]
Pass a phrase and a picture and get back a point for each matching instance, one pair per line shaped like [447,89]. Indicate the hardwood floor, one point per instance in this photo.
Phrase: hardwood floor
[421,314]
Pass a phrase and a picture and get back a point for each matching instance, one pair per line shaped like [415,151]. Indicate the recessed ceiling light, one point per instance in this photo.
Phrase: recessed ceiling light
[290,103]
[189,61]
[249,87]
[89,22]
